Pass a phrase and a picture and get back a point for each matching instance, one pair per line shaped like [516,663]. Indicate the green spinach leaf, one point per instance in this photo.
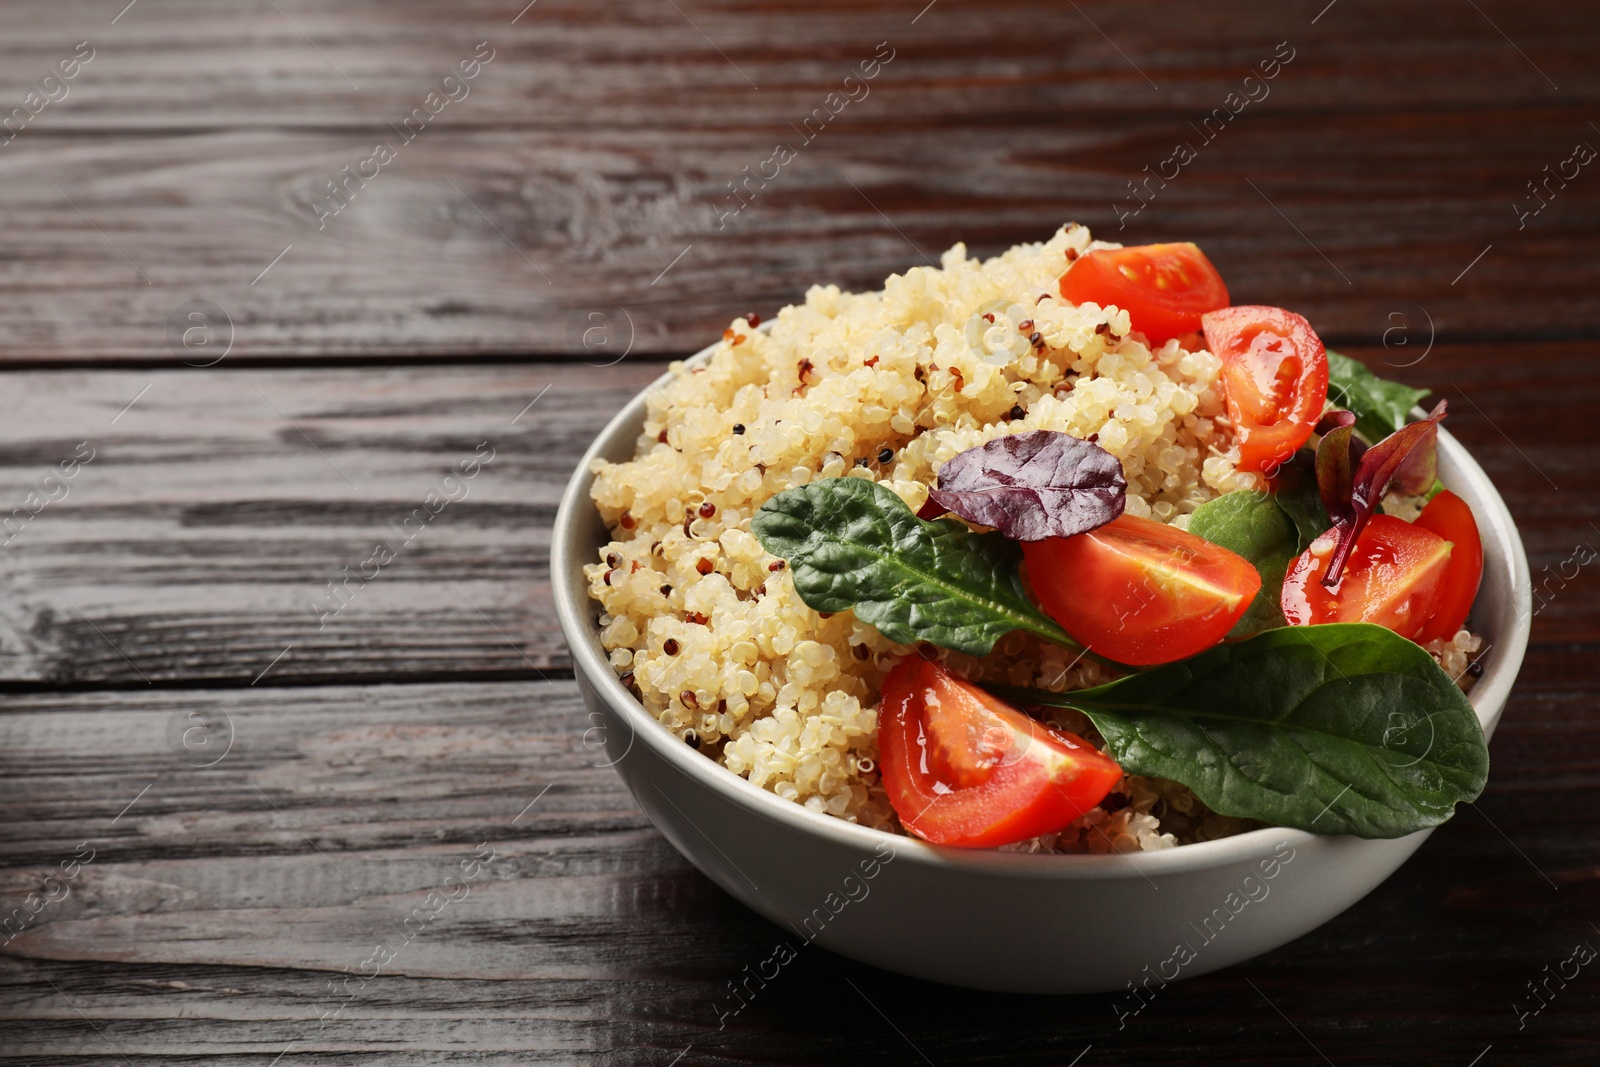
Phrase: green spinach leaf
[1250,523]
[1340,728]
[853,545]
[1381,407]
[1295,490]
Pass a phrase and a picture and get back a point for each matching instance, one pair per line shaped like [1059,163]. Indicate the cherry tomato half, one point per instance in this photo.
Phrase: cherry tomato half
[1393,578]
[1448,516]
[962,767]
[1163,288]
[1275,372]
[1140,591]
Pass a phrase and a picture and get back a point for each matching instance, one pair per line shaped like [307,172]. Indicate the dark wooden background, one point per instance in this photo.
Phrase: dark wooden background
[265,794]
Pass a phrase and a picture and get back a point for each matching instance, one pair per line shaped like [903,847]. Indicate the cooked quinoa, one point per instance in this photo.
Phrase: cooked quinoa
[705,625]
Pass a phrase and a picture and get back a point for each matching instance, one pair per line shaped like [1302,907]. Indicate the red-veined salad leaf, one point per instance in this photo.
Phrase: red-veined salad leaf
[1334,418]
[1032,486]
[1420,469]
[1338,454]
[1352,480]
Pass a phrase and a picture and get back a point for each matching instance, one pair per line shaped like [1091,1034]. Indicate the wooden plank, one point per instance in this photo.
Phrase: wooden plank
[328,817]
[197,542]
[589,157]
[222,901]
[514,256]
[554,64]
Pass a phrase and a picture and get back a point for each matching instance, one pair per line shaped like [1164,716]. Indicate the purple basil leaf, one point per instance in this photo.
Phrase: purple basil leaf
[1034,485]
[1403,456]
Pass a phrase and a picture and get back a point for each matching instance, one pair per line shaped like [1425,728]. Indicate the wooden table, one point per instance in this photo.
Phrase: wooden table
[228,795]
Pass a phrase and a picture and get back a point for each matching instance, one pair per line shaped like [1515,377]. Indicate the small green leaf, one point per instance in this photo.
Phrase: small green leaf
[1250,523]
[1345,728]
[1381,407]
[853,545]
[1295,490]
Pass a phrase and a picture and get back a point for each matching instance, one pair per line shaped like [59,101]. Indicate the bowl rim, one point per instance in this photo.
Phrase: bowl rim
[1488,696]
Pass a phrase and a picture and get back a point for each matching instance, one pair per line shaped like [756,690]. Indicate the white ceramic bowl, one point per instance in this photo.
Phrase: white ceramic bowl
[995,920]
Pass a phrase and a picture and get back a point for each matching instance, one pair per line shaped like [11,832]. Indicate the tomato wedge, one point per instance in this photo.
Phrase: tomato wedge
[1448,516]
[1163,288]
[1275,373]
[964,768]
[1393,578]
[1140,591]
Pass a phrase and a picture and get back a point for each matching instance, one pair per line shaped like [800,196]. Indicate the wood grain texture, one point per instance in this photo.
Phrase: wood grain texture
[590,154]
[198,541]
[222,903]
